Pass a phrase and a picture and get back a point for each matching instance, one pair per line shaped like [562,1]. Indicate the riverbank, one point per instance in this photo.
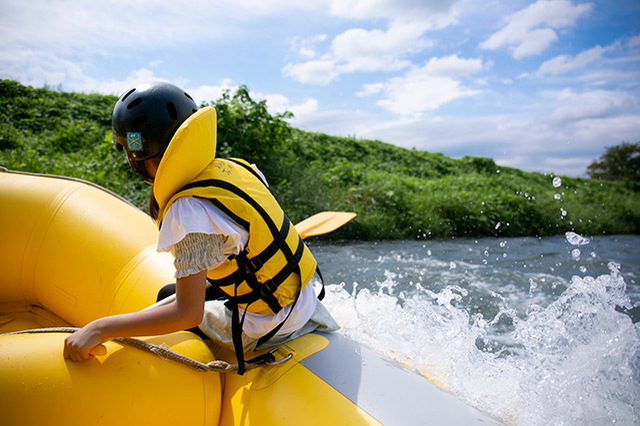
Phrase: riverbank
[397,193]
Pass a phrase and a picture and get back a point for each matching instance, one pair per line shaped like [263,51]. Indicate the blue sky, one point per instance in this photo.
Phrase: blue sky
[540,85]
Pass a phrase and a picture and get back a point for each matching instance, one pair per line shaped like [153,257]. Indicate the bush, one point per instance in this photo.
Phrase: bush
[397,193]
[620,162]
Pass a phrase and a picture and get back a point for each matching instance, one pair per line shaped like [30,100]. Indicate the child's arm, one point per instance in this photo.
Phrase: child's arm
[184,312]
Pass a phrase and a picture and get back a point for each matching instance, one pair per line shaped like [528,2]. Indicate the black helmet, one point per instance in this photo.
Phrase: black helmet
[145,119]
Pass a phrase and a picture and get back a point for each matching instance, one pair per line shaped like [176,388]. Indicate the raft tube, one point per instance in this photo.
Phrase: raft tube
[71,252]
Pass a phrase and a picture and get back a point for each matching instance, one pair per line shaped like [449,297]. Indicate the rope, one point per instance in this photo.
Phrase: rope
[216,365]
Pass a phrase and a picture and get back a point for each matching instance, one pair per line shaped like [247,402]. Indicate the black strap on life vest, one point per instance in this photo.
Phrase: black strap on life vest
[262,291]
[248,266]
[236,334]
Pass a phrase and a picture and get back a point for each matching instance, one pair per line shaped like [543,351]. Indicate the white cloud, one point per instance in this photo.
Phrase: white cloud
[305,52]
[38,68]
[429,87]
[209,93]
[565,63]
[523,124]
[278,103]
[309,106]
[337,122]
[605,131]
[321,71]
[256,8]
[117,87]
[531,30]
[418,92]
[374,50]
[370,89]
[534,43]
[359,50]
[59,42]
[72,26]
[528,141]
[306,47]
[575,107]
[452,66]
[377,50]
[434,14]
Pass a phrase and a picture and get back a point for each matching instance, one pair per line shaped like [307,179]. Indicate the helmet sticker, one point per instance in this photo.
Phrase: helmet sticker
[134,140]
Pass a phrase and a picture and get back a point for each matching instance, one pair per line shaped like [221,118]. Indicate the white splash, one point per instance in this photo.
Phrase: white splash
[575,361]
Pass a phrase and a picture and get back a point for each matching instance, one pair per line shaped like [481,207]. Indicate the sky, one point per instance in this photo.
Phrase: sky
[540,85]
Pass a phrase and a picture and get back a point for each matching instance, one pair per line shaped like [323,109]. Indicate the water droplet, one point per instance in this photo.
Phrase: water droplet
[563,211]
[557,182]
[498,225]
[452,265]
[575,253]
[557,196]
[576,239]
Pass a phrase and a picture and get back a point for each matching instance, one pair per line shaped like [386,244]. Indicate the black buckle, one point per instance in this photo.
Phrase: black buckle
[267,288]
[253,265]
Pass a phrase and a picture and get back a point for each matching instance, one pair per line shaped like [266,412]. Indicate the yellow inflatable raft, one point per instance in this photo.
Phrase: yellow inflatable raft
[71,252]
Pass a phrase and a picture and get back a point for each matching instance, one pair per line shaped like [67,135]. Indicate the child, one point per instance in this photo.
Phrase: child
[241,269]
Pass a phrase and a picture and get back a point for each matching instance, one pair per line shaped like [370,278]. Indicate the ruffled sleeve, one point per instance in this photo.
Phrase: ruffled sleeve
[189,215]
[199,236]
[197,252]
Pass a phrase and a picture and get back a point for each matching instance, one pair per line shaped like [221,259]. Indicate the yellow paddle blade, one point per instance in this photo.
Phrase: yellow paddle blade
[323,223]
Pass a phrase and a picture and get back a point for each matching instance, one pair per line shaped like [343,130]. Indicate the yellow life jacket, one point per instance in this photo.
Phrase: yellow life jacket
[276,264]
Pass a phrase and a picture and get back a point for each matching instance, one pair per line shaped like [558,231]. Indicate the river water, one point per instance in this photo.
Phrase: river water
[527,330]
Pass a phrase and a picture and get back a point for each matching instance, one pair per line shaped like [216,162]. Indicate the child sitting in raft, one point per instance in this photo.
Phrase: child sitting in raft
[223,226]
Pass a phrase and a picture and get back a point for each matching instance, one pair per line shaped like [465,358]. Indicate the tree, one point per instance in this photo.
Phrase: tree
[620,162]
[247,130]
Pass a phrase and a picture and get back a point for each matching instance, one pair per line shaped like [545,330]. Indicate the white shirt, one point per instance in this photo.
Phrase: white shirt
[194,215]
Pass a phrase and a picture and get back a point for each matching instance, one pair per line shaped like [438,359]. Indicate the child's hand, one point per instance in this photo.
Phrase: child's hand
[83,345]
[98,350]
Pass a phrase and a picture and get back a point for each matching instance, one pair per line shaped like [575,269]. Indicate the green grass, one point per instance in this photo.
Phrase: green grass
[397,193]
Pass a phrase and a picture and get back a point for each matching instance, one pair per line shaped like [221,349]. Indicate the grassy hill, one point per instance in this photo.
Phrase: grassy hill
[397,193]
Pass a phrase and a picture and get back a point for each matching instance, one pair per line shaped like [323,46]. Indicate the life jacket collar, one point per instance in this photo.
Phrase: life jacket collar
[190,151]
